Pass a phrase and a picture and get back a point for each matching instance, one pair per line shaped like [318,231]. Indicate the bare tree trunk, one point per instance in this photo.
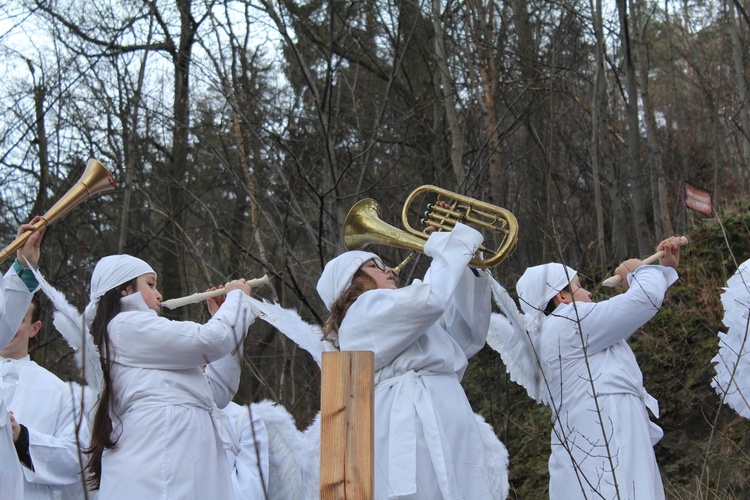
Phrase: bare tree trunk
[132,152]
[176,168]
[251,191]
[599,135]
[489,40]
[538,184]
[40,94]
[619,219]
[677,102]
[738,51]
[662,222]
[635,171]
[449,99]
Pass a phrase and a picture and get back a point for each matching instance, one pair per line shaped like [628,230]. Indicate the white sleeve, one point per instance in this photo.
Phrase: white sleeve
[467,318]
[605,323]
[55,456]
[145,340]
[16,299]
[223,377]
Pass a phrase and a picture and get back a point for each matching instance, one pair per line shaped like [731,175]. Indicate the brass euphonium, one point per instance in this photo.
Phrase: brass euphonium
[363,225]
[95,179]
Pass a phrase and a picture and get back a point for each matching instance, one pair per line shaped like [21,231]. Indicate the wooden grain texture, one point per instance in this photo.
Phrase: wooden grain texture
[346,427]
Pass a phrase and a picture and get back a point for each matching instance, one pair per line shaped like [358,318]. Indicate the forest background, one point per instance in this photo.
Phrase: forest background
[241,132]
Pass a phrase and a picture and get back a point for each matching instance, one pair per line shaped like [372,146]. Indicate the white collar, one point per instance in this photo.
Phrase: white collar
[25,358]
[134,302]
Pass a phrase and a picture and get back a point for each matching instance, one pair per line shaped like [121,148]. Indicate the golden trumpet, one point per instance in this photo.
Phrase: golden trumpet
[363,225]
[95,179]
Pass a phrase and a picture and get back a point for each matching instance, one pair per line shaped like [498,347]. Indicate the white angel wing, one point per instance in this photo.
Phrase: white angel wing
[311,437]
[308,336]
[69,322]
[293,461]
[497,459]
[732,363]
[508,336]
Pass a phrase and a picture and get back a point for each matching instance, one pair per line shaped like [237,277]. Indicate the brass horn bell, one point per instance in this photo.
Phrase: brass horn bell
[363,225]
[94,180]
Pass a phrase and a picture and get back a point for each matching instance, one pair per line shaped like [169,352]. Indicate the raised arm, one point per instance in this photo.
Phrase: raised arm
[17,286]
[388,321]
[16,299]
[605,323]
[223,377]
[145,340]
[467,317]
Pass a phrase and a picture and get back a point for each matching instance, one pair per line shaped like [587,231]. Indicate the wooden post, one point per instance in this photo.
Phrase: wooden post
[346,426]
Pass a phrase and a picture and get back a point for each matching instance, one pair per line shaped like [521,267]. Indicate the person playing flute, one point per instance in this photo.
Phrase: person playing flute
[602,438]
[157,431]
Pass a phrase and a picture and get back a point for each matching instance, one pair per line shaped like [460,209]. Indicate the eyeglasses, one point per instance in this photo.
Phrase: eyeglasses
[377,263]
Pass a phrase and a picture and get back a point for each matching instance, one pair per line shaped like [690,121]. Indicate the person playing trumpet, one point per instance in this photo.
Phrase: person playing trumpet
[602,439]
[16,290]
[428,442]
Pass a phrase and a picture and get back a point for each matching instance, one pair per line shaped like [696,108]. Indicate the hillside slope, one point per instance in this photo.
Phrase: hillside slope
[705,452]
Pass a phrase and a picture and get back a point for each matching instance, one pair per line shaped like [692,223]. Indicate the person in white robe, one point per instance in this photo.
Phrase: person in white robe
[168,438]
[602,438]
[250,465]
[16,289]
[428,443]
[42,406]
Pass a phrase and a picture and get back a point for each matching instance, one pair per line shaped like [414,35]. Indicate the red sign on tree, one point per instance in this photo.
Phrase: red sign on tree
[697,198]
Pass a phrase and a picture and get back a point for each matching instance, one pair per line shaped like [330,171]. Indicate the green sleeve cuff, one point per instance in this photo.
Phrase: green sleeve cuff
[26,276]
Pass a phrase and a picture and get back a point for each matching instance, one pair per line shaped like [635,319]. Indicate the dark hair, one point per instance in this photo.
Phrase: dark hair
[101,431]
[36,313]
[361,283]
[551,306]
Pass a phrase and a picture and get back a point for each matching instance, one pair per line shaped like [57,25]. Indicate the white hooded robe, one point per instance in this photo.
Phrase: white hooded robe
[172,437]
[592,451]
[427,439]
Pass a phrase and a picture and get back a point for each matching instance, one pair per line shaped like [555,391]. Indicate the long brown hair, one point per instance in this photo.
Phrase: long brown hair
[101,431]
[361,283]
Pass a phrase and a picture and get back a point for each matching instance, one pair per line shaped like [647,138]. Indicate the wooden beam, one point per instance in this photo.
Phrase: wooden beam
[346,426]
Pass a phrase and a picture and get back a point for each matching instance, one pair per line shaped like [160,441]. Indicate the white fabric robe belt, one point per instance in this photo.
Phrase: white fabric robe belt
[224,429]
[648,400]
[413,400]
[222,424]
